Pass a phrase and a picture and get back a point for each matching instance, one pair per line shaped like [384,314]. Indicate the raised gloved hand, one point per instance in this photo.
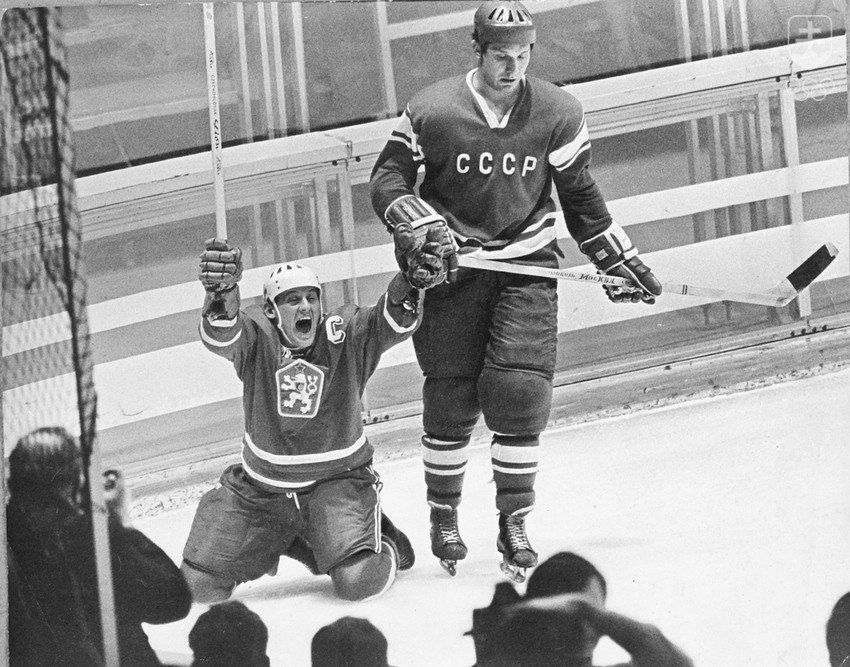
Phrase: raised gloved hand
[421,263]
[221,266]
[414,223]
[613,254]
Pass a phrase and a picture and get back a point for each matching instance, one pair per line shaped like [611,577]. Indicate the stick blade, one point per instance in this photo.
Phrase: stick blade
[803,276]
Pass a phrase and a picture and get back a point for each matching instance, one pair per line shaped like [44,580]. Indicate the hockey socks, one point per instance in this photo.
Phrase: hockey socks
[515,463]
[445,462]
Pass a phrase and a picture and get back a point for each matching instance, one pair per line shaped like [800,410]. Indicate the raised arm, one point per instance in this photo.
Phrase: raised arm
[645,643]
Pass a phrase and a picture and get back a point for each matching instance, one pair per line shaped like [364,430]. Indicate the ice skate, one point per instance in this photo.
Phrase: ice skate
[517,552]
[446,543]
[400,542]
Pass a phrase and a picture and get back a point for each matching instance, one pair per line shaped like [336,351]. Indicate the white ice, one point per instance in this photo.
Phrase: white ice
[725,522]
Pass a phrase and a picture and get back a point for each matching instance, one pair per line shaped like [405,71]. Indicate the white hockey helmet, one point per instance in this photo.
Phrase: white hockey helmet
[289,276]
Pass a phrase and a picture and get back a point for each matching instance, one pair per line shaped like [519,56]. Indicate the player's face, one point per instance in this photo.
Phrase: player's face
[300,310]
[502,66]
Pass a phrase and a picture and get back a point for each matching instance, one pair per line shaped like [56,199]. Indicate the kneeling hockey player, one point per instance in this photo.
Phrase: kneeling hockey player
[305,487]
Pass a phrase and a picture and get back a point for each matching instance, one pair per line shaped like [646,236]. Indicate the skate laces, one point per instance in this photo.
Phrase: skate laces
[515,528]
[447,525]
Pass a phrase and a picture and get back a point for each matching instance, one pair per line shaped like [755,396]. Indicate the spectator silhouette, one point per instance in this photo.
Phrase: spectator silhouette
[349,642]
[838,633]
[54,609]
[561,620]
[229,635]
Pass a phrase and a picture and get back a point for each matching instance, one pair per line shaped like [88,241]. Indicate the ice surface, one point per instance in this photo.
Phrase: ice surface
[725,522]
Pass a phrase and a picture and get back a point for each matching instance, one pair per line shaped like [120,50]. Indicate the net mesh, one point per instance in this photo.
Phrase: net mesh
[47,364]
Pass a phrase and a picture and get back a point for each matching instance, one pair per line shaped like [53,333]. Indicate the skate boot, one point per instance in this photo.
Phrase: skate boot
[399,542]
[446,543]
[512,543]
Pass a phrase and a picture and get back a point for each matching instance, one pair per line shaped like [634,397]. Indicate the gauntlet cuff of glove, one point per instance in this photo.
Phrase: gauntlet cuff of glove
[412,210]
[222,304]
[609,249]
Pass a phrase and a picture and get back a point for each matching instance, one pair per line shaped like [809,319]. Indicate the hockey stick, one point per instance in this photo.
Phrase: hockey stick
[215,121]
[778,296]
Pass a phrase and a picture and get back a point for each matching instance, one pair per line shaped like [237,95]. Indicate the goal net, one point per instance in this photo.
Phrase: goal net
[46,372]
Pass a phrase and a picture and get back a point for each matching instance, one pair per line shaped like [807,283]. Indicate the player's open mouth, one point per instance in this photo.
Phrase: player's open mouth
[304,325]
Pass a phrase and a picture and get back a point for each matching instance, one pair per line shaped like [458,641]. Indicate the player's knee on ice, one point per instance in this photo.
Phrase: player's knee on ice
[363,575]
[206,588]
[514,402]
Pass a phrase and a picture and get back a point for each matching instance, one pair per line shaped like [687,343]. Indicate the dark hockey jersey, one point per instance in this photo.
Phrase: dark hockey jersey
[492,179]
[303,415]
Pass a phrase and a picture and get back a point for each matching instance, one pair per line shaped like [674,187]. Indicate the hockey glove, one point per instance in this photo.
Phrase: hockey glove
[613,254]
[410,216]
[421,263]
[221,266]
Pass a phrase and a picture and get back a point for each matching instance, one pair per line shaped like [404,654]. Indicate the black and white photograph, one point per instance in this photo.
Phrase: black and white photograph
[476,333]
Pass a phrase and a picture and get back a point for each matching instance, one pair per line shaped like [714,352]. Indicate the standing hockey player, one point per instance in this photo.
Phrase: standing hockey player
[305,487]
[492,142]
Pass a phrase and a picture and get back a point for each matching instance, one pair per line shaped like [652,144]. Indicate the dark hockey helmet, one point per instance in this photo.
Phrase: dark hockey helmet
[505,21]
[46,464]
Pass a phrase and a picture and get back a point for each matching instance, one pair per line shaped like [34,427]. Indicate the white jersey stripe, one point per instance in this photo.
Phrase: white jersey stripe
[301,459]
[565,155]
[403,133]
[519,248]
[395,325]
[222,323]
[268,480]
[583,149]
[209,340]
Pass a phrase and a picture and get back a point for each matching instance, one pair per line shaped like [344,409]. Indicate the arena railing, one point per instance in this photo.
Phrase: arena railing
[180,377]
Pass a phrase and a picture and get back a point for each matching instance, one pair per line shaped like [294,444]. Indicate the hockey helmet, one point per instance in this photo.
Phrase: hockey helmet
[295,334]
[289,276]
[46,465]
[505,21]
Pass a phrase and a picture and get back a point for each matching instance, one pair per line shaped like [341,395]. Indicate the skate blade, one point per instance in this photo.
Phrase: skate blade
[449,566]
[512,572]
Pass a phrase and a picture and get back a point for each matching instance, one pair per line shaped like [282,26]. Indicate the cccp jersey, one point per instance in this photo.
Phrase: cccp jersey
[303,420]
[492,179]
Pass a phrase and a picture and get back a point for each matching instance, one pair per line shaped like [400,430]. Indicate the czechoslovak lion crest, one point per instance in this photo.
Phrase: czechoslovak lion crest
[299,389]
